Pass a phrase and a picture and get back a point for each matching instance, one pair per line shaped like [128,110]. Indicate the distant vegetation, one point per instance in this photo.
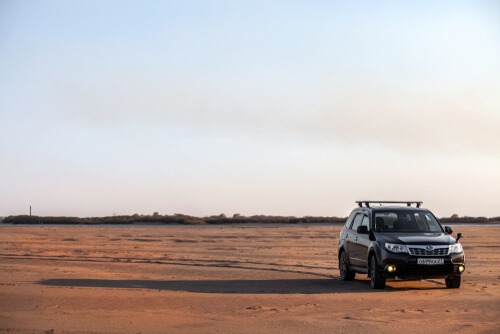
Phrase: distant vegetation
[469,220]
[220,219]
[171,219]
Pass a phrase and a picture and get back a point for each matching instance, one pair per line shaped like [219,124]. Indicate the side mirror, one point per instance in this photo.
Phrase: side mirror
[363,229]
[459,235]
[448,229]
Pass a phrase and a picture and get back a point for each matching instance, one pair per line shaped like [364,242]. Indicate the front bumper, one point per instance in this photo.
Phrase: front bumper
[407,267]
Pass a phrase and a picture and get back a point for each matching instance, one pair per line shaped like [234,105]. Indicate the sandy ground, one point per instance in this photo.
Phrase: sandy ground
[231,279]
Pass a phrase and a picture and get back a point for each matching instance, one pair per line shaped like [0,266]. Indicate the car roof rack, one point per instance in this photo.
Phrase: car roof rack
[408,203]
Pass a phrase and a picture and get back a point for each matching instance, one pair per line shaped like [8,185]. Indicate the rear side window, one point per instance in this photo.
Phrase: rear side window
[357,221]
[349,220]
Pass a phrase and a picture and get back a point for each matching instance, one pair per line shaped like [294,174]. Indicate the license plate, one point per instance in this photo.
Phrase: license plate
[430,262]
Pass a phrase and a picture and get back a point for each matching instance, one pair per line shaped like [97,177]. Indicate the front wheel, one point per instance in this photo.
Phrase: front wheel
[346,274]
[377,279]
[453,282]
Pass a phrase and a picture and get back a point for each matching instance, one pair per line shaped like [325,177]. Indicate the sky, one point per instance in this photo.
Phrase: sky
[293,108]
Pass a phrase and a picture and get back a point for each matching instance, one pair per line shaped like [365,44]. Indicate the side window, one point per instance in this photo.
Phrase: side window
[357,221]
[366,222]
[349,220]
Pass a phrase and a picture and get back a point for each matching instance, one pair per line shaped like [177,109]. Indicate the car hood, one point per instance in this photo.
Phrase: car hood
[417,239]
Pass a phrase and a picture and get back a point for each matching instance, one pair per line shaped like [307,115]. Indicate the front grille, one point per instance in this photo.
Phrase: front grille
[422,251]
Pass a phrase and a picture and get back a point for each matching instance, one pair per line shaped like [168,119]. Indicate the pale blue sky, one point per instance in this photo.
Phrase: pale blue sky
[251,107]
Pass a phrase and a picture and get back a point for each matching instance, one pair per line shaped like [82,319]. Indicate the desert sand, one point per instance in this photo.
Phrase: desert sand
[226,279]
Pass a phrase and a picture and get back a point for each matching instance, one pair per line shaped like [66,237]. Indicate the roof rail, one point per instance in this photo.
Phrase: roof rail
[408,203]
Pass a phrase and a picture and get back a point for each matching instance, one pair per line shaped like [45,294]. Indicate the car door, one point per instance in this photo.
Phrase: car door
[362,242]
[352,239]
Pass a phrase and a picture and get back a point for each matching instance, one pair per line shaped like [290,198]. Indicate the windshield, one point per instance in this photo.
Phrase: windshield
[406,222]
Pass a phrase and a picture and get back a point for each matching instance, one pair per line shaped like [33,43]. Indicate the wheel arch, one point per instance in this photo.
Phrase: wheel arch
[341,250]
[373,251]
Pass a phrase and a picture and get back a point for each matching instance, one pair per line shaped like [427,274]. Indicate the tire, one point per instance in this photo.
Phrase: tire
[453,282]
[377,279]
[346,274]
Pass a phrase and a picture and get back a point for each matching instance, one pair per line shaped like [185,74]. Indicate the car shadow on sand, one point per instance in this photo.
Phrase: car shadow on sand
[271,286]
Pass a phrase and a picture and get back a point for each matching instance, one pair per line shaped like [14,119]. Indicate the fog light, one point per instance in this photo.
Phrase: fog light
[391,268]
[461,268]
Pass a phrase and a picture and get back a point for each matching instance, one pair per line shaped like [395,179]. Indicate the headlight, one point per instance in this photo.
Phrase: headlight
[396,248]
[456,248]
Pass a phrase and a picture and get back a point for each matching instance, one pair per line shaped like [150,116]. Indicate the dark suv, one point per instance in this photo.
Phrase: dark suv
[406,242]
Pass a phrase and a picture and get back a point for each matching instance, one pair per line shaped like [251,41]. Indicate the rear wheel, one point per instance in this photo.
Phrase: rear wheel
[346,274]
[377,279]
[453,282]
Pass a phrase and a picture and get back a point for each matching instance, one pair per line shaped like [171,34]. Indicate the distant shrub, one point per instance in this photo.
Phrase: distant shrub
[181,219]
[465,220]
